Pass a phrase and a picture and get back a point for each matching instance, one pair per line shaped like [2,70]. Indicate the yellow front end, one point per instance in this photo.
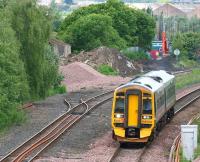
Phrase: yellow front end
[131,120]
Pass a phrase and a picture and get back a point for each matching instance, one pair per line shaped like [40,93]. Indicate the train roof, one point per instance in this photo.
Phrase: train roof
[153,80]
[161,75]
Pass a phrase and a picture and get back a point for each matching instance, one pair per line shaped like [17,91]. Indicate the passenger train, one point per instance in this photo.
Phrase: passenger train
[142,107]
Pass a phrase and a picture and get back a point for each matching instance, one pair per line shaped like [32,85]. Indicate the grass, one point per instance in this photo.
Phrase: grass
[14,116]
[187,63]
[197,151]
[57,90]
[106,70]
[183,81]
[182,158]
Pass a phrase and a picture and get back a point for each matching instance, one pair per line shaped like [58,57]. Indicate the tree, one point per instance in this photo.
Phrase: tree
[145,29]
[92,31]
[33,26]
[13,82]
[125,22]
[188,43]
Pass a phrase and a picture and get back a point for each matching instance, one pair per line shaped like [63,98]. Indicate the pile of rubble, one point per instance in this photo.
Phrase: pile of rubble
[109,56]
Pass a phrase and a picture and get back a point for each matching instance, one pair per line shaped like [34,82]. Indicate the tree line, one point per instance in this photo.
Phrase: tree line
[28,66]
[111,24]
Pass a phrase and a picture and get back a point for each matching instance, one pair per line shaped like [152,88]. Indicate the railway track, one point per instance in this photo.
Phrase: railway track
[135,154]
[30,149]
[175,149]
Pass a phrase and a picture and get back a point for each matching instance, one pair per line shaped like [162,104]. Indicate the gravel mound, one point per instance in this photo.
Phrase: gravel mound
[78,76]
[109,56]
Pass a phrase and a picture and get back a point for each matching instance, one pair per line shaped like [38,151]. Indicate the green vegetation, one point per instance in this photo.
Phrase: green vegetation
[28,66]
[189,45]
[111,24]
[197,151]
[13,83]
[188,79]
[92,31]
[106,70]
[135,55]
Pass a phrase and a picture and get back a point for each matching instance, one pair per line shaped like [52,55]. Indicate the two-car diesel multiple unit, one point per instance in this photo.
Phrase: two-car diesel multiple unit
[142,106]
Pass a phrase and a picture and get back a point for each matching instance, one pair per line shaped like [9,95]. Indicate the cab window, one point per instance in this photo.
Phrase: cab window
[119,105]
[147,108]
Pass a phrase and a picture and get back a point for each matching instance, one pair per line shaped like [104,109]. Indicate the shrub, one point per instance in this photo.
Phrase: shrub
[61,89]
[106,70]
[136,56]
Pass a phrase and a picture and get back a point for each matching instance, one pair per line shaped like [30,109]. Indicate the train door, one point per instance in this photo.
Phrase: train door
[133,108]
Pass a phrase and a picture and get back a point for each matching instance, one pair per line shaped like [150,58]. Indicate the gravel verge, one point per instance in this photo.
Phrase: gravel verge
[40,115]
[160,147]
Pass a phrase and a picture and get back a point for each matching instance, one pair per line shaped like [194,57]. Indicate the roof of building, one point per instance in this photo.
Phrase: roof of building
[184,7]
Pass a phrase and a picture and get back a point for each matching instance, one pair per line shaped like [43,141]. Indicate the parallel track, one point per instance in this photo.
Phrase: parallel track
[174,151]
[181,103]
[29,150]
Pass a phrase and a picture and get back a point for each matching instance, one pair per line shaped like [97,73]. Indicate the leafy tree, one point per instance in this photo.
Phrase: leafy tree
[145,29]
[188,43]
[92,31]
[125,22]
[33,26]
[13,83]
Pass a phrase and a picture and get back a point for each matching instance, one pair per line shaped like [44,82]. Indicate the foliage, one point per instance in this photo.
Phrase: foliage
[188,43]
[32,27]
[132,55]
[92,31]
[106,70]
[57,90]
[28,66]
[188,79]
[13,83]
[197,151]
[135,27]
[187,63]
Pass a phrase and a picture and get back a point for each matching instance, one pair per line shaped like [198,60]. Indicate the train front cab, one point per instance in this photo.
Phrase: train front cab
[133,115]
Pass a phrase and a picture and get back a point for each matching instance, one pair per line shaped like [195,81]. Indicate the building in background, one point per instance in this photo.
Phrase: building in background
[60,48]
[183,10]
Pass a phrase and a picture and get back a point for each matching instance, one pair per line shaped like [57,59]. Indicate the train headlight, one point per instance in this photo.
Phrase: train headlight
[119,115]
[146,117]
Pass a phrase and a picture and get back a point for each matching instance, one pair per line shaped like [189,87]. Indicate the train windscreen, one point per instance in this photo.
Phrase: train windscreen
[119,106]
[147,108]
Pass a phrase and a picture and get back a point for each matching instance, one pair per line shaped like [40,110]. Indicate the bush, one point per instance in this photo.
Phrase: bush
[188,44]
[93,31]
[134,27]
[61,89]
[106,70]
[136,56]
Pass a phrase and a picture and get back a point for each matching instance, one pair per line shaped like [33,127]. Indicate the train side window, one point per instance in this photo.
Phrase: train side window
[147,108]
[119,106]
